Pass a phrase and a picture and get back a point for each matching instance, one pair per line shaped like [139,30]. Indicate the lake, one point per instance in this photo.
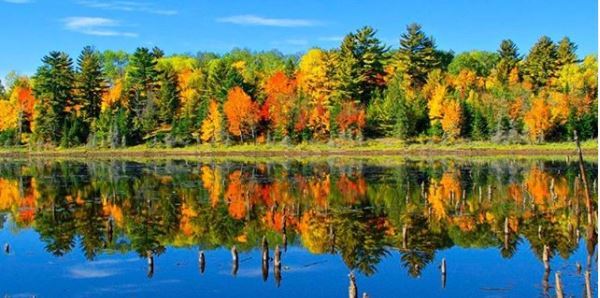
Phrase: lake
[137,228]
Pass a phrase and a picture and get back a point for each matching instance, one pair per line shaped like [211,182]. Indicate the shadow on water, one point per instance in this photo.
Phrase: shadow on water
[358,211]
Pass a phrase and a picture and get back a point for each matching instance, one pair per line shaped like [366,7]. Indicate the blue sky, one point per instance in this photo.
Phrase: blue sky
[31,28]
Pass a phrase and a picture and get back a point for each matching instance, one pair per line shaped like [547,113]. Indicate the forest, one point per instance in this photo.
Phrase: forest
[364,89]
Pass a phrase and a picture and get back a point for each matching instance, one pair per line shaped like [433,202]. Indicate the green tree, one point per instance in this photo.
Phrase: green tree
[142,86]
[360,66]
[54,84]
[221,78]
[169,97]
[417,55]
[480,62]
[114,64]
[565,52]
[541,64]
[90,84]
[509,58]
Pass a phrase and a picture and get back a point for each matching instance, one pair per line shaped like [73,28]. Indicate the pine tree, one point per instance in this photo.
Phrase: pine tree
[566,53]
[142,85]
[509,58]
[91,85]
[479,129]
[540,66]
[221,78]
[54,90]
[169,96]
[417,55]
[360,66]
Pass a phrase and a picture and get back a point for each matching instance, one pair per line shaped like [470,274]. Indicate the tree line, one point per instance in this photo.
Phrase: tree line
[362,89]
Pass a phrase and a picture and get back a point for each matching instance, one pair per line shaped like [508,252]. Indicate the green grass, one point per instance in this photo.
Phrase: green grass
[374,147]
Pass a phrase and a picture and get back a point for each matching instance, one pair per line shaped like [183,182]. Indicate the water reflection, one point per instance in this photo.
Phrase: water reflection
[355,209]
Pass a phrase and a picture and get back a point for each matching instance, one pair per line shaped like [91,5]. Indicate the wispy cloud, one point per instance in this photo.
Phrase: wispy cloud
[18,1]
[83,272]
[253,20]
[96,26]
[131,6]
[331,38]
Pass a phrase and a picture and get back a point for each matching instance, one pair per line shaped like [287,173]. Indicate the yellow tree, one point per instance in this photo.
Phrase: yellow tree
[9,112]
[452,119]
[212,124]
[241,112]
[436,103]
[312,74]
[537,119]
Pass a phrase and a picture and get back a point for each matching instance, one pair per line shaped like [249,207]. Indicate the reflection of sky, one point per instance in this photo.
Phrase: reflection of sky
[30,270]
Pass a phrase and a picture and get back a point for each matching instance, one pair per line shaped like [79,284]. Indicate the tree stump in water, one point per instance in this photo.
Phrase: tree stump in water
[352,289]
[559,288]
[235,261]
[201,261]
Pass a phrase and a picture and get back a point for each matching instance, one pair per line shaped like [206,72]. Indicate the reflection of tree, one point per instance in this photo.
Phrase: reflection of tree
[360,237]
[421,244]
[56,225]
[355,210]
[91,224]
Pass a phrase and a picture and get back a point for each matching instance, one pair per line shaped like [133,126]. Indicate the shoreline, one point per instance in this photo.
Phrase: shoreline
[589,149]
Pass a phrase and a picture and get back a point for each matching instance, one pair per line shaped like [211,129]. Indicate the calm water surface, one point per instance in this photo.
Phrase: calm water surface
[76,228]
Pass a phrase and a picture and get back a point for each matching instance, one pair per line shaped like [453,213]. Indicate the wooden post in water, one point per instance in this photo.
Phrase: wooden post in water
[443,269]
[6,248]
[559,288]
[277,265]
[284,240]
[235,261]
[588,285]
[546,257]
[352,289]
[265,258]
[578,266]
[265,249]
[150,260]
[201,261]
[365,295]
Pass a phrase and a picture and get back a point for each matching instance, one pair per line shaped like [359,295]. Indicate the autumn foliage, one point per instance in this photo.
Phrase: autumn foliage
[242,113]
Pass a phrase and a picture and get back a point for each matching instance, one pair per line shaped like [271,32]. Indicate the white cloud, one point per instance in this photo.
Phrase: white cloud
[87,272]
[95,26]
[128,6]
[262,21]
[18,1]
[332,38]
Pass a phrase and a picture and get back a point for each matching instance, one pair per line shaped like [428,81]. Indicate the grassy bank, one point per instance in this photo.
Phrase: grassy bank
[367,148]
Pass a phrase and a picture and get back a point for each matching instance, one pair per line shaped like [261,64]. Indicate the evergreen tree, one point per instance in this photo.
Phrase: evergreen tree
[479,128]
[91,85]
[142,84]
[360,65]
[566,52]
[509,58]
[541,64]
[417,55]
[54,90]
[221,78]
[169,97]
